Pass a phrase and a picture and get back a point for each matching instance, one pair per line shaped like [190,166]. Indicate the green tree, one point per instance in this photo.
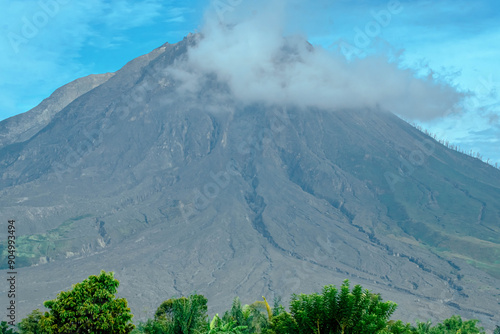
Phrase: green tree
[344,311]
[90,307]
[183,315]
[6,329]
[455,324]
[497,330]
[254,317]
[310,313]
[277,307]
[220,326]
[153,327]
[236,313]
[284,323]
[31,324]
[422,327]
[397,327]
[257,316]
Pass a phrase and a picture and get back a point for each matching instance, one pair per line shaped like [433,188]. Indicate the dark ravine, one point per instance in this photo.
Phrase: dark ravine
[177,195]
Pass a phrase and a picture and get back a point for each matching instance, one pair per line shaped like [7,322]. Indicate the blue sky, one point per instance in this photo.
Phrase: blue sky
[45,44]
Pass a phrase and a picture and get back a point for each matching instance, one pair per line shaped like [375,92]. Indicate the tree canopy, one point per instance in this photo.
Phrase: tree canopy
[344,311]
[183,315]
[90,307]
[31,324]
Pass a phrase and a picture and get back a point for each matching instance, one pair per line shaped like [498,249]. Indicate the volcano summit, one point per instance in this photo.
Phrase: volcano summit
[263,177]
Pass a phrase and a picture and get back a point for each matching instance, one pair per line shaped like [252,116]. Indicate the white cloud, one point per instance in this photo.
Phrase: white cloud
[260,65]
[43,42]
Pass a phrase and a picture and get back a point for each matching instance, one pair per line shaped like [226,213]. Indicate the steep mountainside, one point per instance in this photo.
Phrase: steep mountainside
[22,127]
[178,195]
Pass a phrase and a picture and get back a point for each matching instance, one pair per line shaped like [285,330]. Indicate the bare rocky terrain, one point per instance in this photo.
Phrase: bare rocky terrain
[176,195]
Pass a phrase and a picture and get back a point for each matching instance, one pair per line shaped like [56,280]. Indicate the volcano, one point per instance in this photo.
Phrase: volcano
[181,193]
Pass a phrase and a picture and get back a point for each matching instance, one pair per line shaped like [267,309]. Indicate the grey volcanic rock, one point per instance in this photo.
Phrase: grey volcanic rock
[177,195]
[22,127]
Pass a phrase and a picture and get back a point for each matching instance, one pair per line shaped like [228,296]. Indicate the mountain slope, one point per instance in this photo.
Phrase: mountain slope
[21,127]
[179,194]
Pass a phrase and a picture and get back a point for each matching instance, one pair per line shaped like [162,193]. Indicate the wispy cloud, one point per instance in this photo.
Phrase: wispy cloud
[260,65]
[45,44]
[450,36]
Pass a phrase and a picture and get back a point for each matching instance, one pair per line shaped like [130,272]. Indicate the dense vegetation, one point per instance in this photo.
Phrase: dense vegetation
[91,307]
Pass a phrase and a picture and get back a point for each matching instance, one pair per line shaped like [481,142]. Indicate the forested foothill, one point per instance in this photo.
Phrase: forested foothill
[92,307]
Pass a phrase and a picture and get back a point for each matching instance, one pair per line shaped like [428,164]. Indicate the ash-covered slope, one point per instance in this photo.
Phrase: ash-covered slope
[178,194]
[21,127]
